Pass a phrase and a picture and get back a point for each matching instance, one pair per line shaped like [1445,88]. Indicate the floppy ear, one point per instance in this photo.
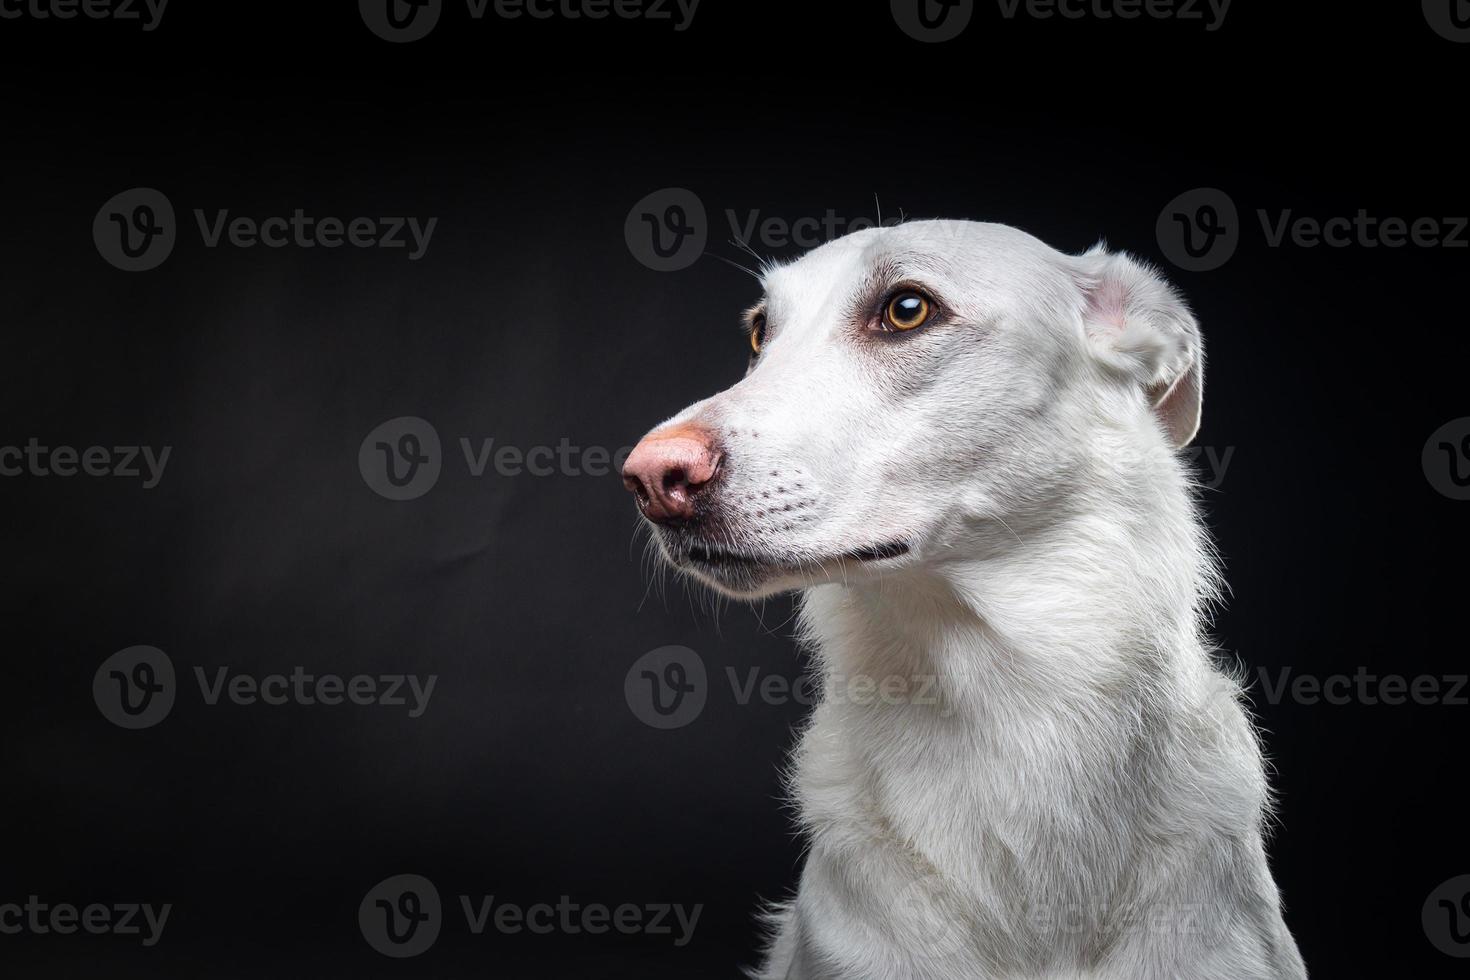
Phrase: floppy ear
[1137,324]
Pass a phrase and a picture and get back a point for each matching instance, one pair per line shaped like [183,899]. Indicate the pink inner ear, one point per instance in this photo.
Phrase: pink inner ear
[1109,305]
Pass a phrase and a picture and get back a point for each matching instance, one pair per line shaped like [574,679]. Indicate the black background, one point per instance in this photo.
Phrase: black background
[529,321]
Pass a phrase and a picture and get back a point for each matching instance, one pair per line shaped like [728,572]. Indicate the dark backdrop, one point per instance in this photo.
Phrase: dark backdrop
[530,321]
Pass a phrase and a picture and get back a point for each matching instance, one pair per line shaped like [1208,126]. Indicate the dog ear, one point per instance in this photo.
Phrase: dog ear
[1139,325]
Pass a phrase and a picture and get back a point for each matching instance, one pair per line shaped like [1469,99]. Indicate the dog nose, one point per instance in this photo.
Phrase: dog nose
[669,469]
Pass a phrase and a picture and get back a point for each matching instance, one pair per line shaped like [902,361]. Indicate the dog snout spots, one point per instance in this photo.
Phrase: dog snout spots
[782,514]
[771,506]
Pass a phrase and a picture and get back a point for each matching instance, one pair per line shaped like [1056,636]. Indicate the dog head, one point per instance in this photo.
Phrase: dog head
[911,389]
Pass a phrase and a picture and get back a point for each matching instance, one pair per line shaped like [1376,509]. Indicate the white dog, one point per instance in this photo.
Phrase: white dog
[960,443]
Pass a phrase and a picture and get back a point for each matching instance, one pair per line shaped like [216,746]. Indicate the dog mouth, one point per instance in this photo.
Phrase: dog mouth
[744,563]
[880,552]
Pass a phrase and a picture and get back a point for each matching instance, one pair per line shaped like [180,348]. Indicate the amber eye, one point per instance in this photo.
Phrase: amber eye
[757,332]
[906,310]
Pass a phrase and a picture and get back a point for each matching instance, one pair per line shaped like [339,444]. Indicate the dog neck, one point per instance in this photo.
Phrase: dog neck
[1051,608]
[979,698]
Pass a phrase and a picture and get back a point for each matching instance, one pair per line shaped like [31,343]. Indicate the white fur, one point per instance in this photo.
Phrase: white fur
[1064,784]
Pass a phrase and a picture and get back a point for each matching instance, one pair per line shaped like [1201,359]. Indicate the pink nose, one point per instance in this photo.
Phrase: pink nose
[669,468]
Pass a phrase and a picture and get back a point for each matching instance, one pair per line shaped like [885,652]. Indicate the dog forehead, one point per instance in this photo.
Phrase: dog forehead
[958,255]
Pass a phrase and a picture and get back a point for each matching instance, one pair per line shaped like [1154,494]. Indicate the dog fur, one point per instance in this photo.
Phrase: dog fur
[1079,792]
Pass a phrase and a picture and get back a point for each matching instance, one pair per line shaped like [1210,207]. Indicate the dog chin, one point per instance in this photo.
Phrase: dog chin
[746,585]
[743,574]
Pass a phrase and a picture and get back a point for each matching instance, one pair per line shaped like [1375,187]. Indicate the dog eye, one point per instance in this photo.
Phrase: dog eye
[907,310]
[757,332]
